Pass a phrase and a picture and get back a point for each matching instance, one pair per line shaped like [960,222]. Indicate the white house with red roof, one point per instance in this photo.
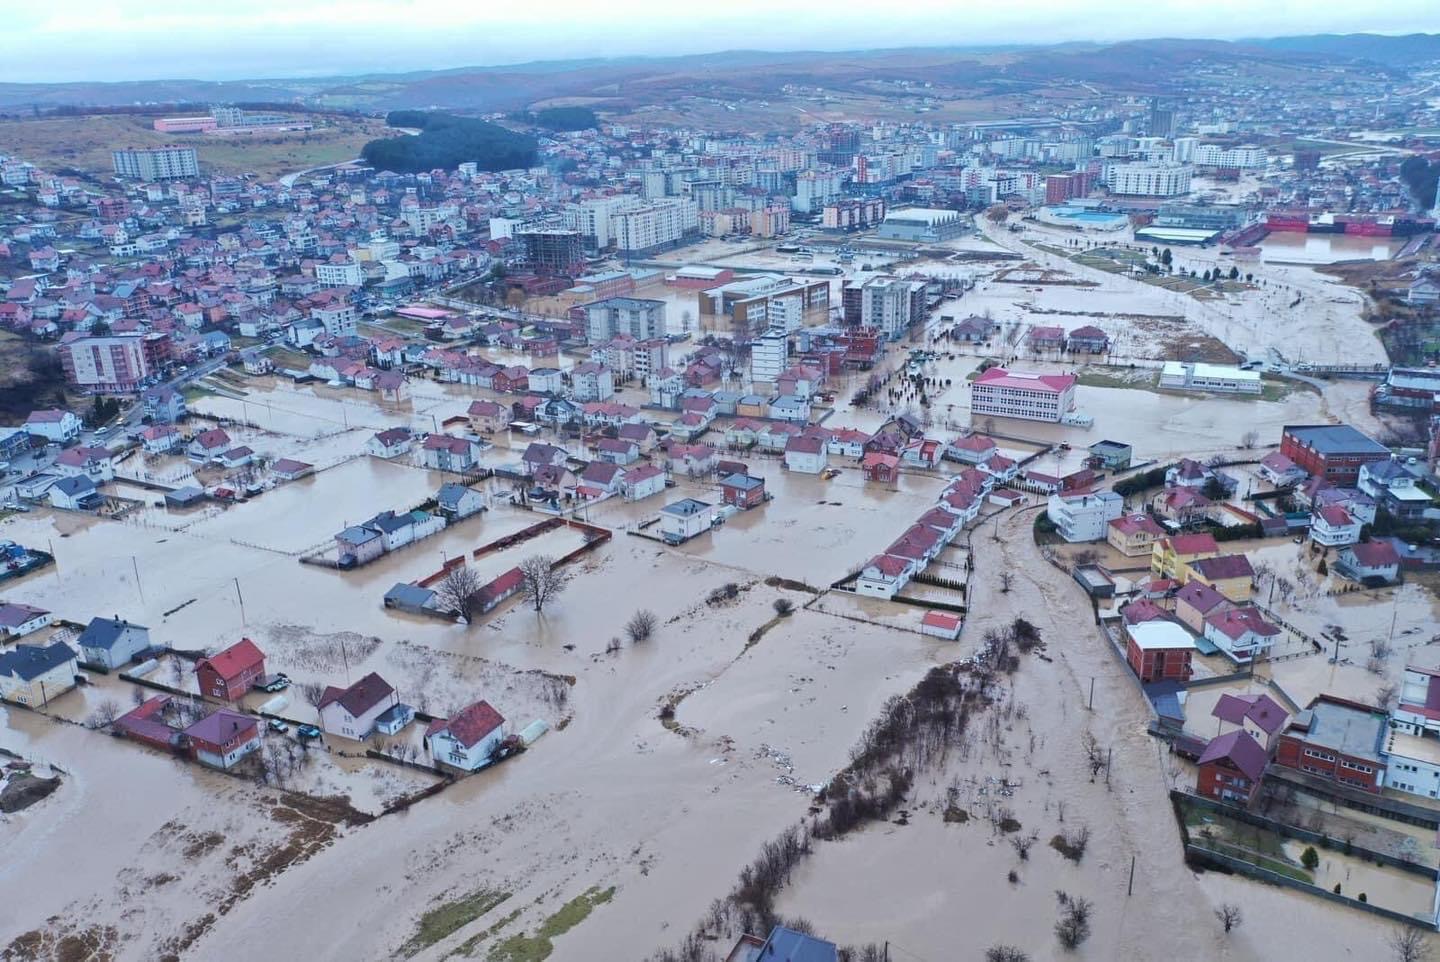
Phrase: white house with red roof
[643,481]
[54,424]
[208,445]
[884,575]
[1369,561]
[1241,633]
[805,454]
[1332,526]
[466,740]
[160,438]
[971,448]
[353,712]
[1022,394]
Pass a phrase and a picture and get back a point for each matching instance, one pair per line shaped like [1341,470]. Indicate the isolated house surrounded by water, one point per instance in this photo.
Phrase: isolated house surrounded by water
[466,739]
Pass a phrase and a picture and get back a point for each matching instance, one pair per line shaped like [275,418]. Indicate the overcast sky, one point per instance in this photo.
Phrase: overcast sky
[65,40]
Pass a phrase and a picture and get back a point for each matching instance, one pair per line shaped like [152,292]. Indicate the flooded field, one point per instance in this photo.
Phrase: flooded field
[1328,248]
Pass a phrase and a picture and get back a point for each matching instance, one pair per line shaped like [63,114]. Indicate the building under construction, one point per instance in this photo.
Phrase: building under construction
[551,251]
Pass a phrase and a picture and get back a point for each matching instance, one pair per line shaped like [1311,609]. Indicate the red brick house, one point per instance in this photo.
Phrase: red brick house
[229,674]
[881,467]
[221,740]
[1339,740]
[742,490]
[1231,768]
[1158,650]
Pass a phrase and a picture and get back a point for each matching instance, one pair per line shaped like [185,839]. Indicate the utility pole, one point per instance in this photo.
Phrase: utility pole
[1130,889]
[241,599]
[135,564]
[1109,754]
[1091,706]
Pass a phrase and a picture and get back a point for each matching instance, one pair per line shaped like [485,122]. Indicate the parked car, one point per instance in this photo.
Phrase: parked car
[275,683]
[276,725]
[307,731]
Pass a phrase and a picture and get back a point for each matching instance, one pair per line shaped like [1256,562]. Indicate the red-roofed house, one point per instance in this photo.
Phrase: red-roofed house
[1371,562]
[972,448]
[1171,553]
[1241,633]
[1332,526]
[1231,768]
[229,674]
[941,624]
[466,740]
[878,466]
[884,575]
[806,454]
[1259,715]
[222,739]
[1196,601]
[1134,535]
[352,712]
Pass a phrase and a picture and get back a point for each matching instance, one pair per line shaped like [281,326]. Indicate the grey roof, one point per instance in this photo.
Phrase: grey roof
[742,481]
[1355,731]
[451,493]
[1336,439]
[357,535]
[28,662]
[104,632]
[685,507]
[1109,446]
[388,521]
[627,303]
[75,487]
[410,596]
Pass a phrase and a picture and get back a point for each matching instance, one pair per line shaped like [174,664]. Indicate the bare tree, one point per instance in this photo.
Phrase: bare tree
[1408,944]
[105,712]
[541,580]
[1094,754]
[1073,926]
[1229,915]
[1005,953]
[1006,581]
[1248,440]
[1385,695]
[313,692]
[640,626]
[459,591]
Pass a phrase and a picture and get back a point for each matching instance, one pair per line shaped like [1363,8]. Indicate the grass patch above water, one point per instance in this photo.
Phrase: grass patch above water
[537,947]
[450,917]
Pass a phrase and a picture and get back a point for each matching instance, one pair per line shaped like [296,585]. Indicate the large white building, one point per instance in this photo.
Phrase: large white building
[593,218]
[1084,516]
[655,225]
[891,305]
[815,188]
[1244,157]
[640,318]
[1220,378]
[923,224]
[346,273]
[1150,180]
[769,355]
[1021,394]
[156,163]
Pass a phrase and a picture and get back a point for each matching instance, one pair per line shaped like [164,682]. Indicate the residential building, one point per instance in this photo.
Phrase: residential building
[1230,574]
[684,519]
[658,224]
[1242,634]
[156,163]
[113,363]
[1335,452]
[892,305]
[1110,455]
[884,575]
[229,674]
[1134,535]
[1339,740]
[353,712]
[18,620]
[643,481]
[591,382]
[224,738]
[1084,515]
[1197,601]
[444,452]
[112,643]
[1280,470]
[1370,562]
[742,490]
[805,454]
[639,318]
[163,405]
[1159,650]
[468,739]
[769,355]
[552,250]
[53,424]
[1150,179]
[455,502]
[74,493]
[1230,768]
[1332,527]
[1173,553]
[1020,394]
[34,674]
[393,442]
[1259,716]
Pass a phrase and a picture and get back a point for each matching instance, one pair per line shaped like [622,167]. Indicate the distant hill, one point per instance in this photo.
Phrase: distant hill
[622,83]
[1407,49]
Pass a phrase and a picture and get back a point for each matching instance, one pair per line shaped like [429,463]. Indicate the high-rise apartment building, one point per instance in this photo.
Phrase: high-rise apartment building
[155,163]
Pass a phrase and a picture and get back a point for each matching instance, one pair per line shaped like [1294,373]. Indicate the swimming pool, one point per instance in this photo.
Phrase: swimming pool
[1077,216]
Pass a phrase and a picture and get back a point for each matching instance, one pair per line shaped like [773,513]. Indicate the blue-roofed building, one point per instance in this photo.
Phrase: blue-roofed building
[784,945]
[112,642]
[34,674]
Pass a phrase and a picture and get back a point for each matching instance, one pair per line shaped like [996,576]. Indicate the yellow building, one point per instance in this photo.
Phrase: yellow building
[1134,535]
[1229,574]
[1171,553]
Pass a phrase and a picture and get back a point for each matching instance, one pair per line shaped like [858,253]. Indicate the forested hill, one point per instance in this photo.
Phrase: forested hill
[445,141]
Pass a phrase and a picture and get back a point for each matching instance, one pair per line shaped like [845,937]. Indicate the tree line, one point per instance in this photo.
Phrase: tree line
[445,141]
